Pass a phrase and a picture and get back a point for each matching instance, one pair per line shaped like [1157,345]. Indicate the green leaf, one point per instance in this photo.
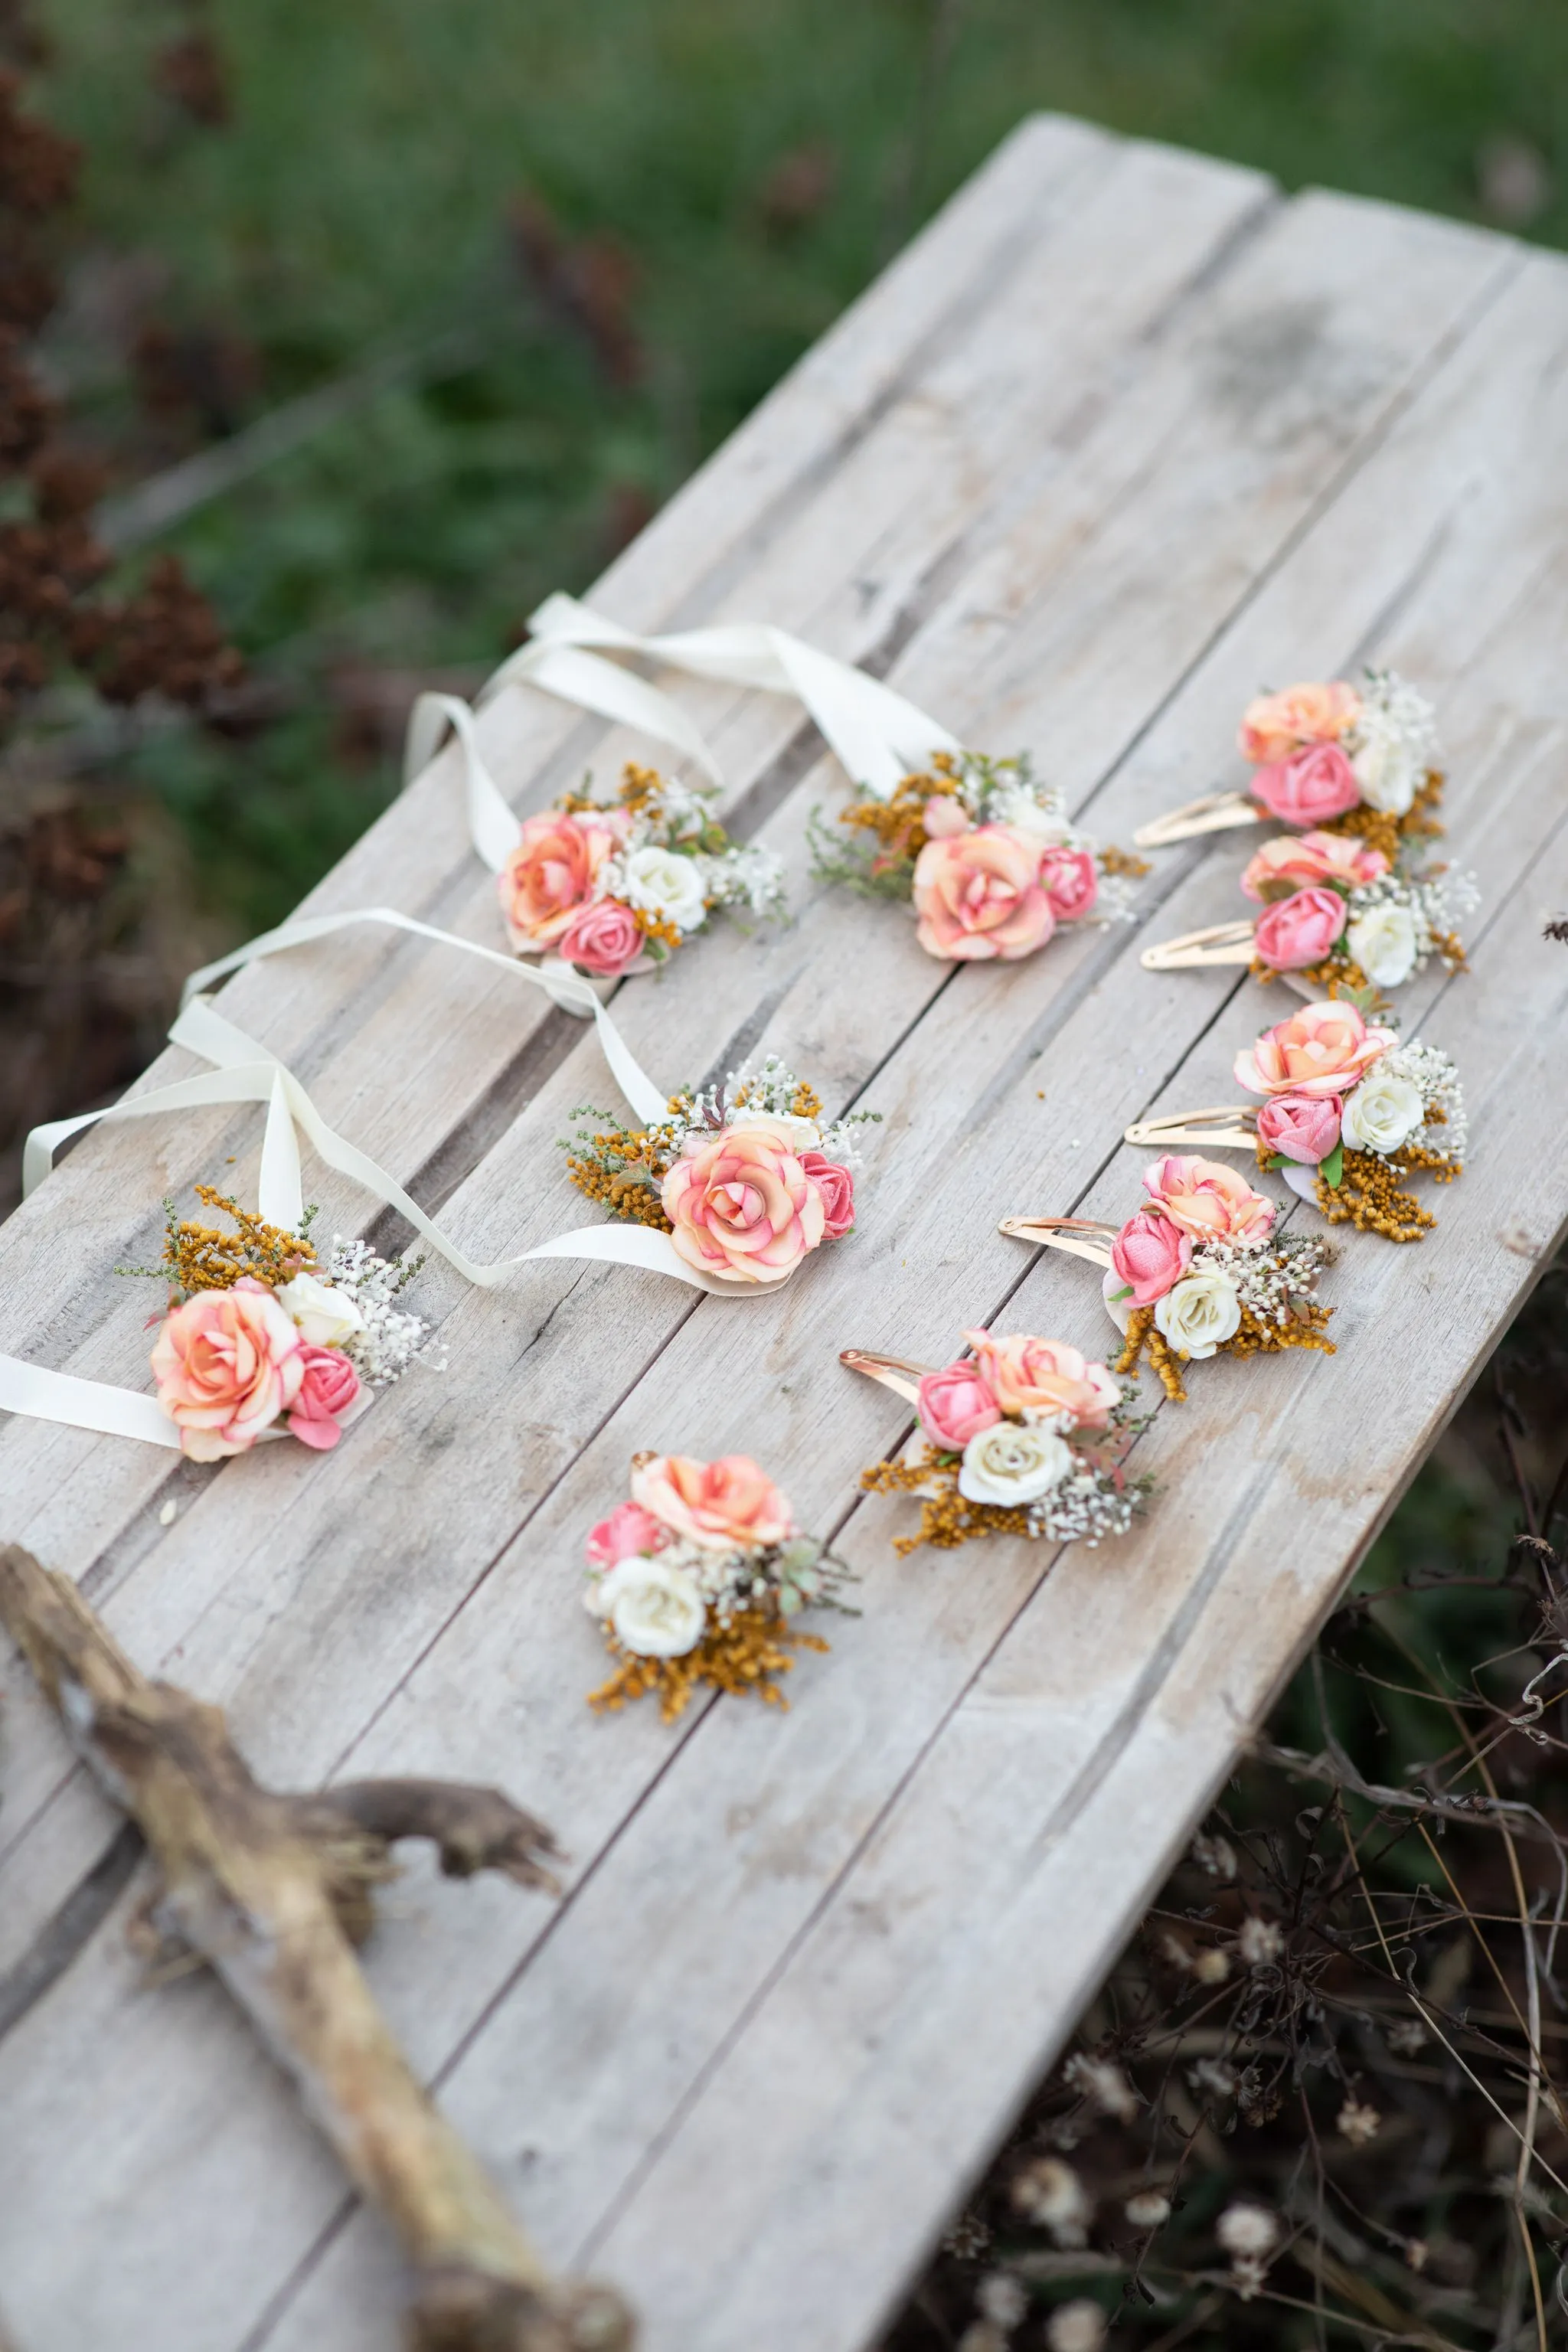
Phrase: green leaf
[1125,1292]
[1275,1161]
[1332,1168]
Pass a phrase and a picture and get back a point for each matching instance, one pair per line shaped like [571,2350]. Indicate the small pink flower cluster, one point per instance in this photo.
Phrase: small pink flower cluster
[1012,1379]
[749,1203]
[1303,1068]
[228,1363]
[985,891]
[1303,887]
[1303,776]
[552,897]
[730,1505]
[1193,1201]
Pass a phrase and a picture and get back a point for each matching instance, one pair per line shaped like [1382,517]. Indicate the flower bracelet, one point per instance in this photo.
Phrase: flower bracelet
[699,1578]
[1348,1110]
[1197,1271]
[1026,1437]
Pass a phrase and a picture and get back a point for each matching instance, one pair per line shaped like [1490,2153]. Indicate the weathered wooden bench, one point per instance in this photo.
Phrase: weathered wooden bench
[1125,436]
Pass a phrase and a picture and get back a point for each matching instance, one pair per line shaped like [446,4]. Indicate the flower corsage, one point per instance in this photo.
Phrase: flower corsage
[1026,1437]
[610,886]
[1358,761]
[1198,1270]
[746,1178]
[1348,1110]
[264,1336]
[700,1578]
[987,853]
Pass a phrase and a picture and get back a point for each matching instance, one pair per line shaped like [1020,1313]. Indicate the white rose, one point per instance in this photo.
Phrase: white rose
[1020,809]
[326,1316]
[1387,770]
[1200,1313]
[1012,1464]
[656,1609]
[1383,941]
[800,1134]
[662,882]
[1381,1113]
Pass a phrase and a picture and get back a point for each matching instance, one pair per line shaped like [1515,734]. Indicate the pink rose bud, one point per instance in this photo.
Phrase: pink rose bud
[955,1404]
[836,1186]
[944,817]
[1151,1254]
[628,1531]
[604,938]
[1298,931]
[1308,787]
[1303,1127]
[327,1386]
[1070,881]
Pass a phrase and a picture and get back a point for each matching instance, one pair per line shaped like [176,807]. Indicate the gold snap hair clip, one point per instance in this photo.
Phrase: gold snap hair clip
[1024,1437]
[1333,757]
[698,1576]
[1348,1110]
[1197,1271]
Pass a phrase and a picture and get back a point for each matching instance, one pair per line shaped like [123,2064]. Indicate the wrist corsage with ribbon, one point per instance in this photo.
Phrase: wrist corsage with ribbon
[987,853]
[1330,756]
[1198,1270]
[1026,1437]
[1348,1110]
[699,1578]
[745,1178]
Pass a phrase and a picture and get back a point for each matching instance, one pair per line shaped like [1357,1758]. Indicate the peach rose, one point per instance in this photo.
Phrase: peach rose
[1298,931]
[979,895]
[550,876]
[1208,1200]
[1151,1254]
[1275,725]
[327,1386]
[1070,880]
[1284,866]
[1308,787]
[741,1206]
[724,1505]
[1321,1050]
[604,937]
[955,1404]
[227,1363]
[1044,1376]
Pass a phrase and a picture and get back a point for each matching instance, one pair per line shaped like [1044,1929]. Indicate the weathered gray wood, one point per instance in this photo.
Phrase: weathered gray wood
[1093,518]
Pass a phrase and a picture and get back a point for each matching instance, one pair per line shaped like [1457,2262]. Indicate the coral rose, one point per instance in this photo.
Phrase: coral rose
[1044,1376]
[1281,866]
[1298,931]
[1308,787]
[1070,880]
[227,1363]
[327,1386]
[1321,1050]
[1303,1127]
[836,1186]
[1275,725]
[979,895]
[1149,1254]
[955,1404]
[604,937]
[741,1206]
[725,1505]
[1208,1200]
[625,1534]
[550,876]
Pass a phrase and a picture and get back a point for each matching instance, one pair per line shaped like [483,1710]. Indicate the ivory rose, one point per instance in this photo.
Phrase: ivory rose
[664,884]
[325,1316]
[550,875]
[1308,787]
[1388,767]
[1298,931]
[327,1386]
[836,1186]
[1286,865]
[1382,1112]
[1044,1376]
[1321,1050]
[741,1206]
[1302,1128]
[629,1530]
[1149,1254]
[1209,1201]
[955,1405]
[1070,880]
[1383,941]
[1013,1465]
[1275,725]
[656,1609]
[604,937]
[978,895]
[227,1363]
[724,1505]
[1200,1314]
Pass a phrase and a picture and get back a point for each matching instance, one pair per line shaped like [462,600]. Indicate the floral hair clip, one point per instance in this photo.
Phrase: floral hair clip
[1027,1437]
[700,1578]
[987,853]
[1333,757]
[1197,1270]
[745,1178]
[1348,1110]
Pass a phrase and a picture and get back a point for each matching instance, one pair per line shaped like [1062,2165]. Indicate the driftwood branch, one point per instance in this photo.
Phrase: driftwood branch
[271,1891]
